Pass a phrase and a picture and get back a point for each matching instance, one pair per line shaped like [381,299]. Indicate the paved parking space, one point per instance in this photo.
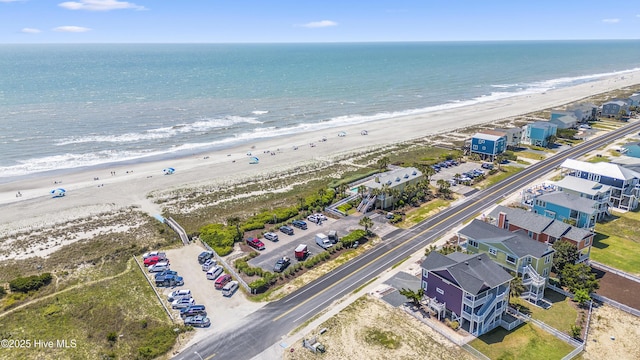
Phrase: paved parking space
[286,244]
[224,312]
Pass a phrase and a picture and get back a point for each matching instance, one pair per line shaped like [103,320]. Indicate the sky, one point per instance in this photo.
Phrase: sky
[285,21]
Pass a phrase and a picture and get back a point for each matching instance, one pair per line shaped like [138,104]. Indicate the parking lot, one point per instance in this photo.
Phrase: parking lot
[287,243]
[222,311]
[450,172]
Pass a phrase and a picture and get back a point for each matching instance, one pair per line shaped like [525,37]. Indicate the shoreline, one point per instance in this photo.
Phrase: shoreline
[133,182]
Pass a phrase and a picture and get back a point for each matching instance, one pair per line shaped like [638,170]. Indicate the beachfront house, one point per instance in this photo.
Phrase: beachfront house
[469,289]
[514,136]
[379,190]
[488,144]
[589,189]
[635,100]
[584,111]
[538,133]
[615,108]
[514,251]
[575,210]
[542,229]
[563,119]
[624,183]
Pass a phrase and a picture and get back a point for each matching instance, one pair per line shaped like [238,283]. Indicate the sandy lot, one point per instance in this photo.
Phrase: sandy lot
[613,335]
[351,334]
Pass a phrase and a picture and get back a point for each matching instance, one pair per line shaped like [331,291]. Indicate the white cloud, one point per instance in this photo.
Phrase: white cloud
[30,31]
[320,24]
[610,21]
[74,29]
[99,5]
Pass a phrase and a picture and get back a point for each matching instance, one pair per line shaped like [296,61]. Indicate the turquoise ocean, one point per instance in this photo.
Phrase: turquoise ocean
[73,106]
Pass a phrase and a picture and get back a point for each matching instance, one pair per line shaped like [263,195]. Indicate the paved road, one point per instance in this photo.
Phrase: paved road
[267,326]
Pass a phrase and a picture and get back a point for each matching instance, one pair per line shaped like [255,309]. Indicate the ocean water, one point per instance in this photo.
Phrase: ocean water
[71,106]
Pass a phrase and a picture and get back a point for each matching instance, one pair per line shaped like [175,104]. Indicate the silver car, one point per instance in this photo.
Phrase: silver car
[182,303]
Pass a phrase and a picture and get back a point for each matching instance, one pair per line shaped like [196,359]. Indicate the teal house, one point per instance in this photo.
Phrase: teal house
[576,210]
[514,251]
[538,133]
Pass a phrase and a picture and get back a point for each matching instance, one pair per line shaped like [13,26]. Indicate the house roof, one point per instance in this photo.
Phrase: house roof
[485,136]
[582,107]
[567,119]
[536,223]
[617,102]
[570,201]
[541,124]
[517,242]
[584,186]
[513,130]
[395,177]
[601,168]
[495,132]
[473,274]
[523,219]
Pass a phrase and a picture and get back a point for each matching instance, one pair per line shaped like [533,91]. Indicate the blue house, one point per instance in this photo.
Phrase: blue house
[567,207]
[538,133]
[488,145]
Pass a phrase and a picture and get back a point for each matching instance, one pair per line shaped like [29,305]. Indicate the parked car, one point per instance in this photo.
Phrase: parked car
[165,273]
[197,321]
[151,260]
[193,310]
[169,281]
[204,256]
[159,267]
[149,254]
[222,280]
[286,229]
[320,217]
[209,264]
[179,294]
[282,264]
[271,236]
[487,166]
[313,218]
[182,303]
[214,272]
[255,243]
[230,288]
[299,224]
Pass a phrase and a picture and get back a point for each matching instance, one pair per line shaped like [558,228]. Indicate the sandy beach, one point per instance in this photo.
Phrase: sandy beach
[97,190]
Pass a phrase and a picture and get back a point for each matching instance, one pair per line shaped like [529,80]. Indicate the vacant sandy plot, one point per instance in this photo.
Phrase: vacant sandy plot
[613,335]
[372,329]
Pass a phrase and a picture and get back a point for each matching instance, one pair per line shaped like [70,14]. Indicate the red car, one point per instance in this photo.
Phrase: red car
[222,280]
[255,243]
[152,260]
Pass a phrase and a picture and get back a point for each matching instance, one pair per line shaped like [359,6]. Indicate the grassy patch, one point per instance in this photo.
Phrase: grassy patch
[400,262]
[501,175]
[365,285]
[524,342]
[531,155]
[560,316]
[415,216]
[124,305]
[386,339]
[616,242]
[597,159]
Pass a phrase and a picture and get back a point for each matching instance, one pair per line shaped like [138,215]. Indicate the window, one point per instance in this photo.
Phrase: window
[547,259]
[493,251]
[545,272]
[511,259]
[439,291]
[473,243]
[475,147]
[425,285]
[530,233]
[587,242]
[425,274]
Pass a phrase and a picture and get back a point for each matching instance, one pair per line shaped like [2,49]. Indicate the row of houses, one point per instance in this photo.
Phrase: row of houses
[490,143]
[473,287]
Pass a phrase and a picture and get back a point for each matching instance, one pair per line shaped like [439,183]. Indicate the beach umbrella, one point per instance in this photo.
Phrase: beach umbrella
[254,160]
[168,171]
[59,192]
[342,134]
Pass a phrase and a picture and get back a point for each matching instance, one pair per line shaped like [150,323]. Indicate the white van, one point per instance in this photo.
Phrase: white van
[214,272]
[209,264]
[230,288]
[179,294]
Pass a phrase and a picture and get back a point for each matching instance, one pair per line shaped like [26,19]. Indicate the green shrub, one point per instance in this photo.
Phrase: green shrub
[258,285]
[112,336]
[30,283]
[219,237]
[352,237]
[3,292]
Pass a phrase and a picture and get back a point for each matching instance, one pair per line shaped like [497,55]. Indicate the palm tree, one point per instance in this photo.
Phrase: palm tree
[235,221]
[301,202]
[414,296]
[383,162]
[384,191]
[444,188]
[516,288]
[376,192]
[366,222]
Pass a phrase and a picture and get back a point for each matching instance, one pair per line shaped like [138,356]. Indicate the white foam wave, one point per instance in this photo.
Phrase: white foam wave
[260,112]
[163,132]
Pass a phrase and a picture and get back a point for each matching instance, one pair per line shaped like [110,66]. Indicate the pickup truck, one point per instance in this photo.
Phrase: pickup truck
[255,243]
[323,241]
[282,264]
